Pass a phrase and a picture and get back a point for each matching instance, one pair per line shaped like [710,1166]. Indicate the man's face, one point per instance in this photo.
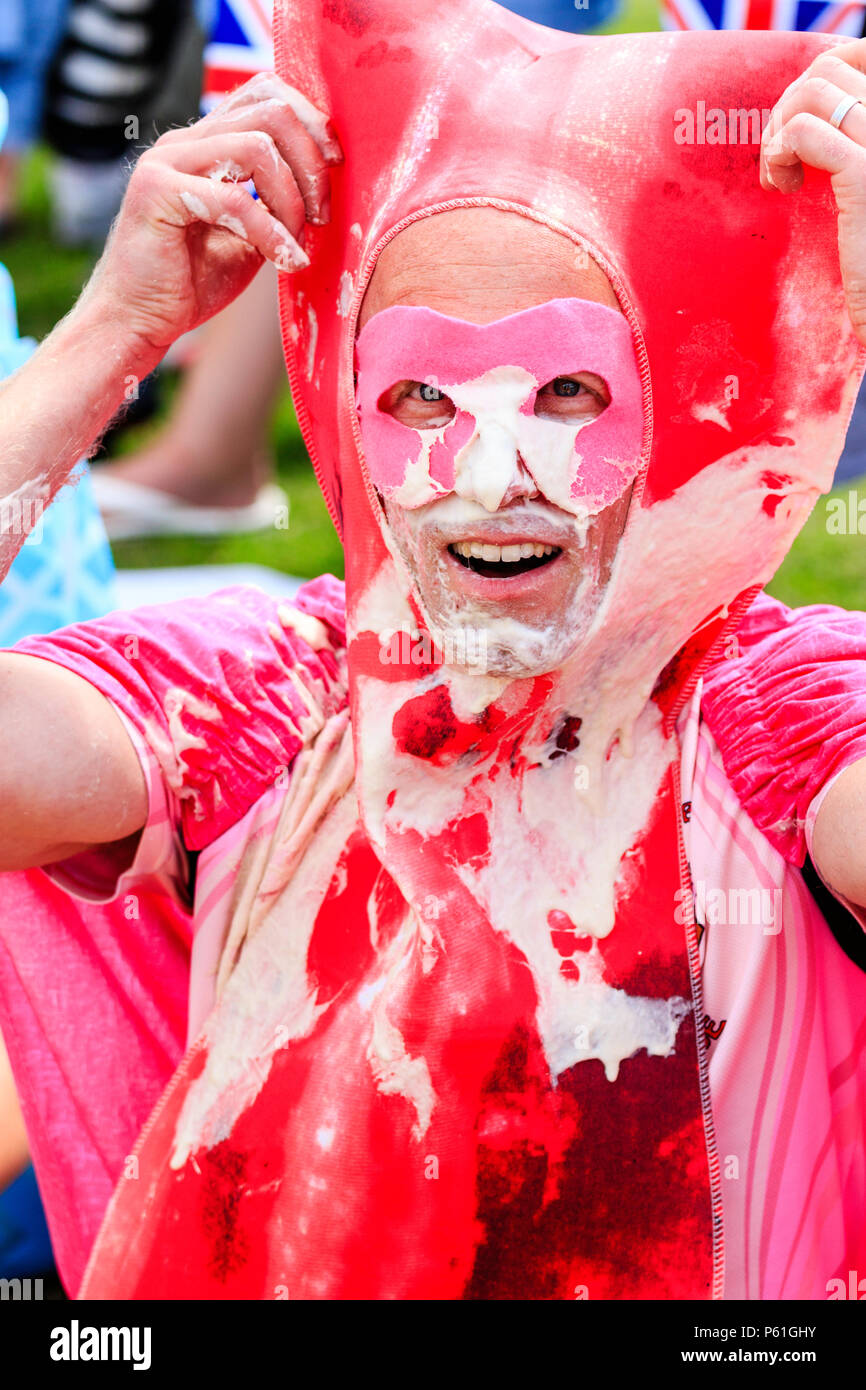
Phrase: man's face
[474,456]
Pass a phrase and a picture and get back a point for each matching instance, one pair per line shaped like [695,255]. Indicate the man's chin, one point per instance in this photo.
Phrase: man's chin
[510,665]
[505,647]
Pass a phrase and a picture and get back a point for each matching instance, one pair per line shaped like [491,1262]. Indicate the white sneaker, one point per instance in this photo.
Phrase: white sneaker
[130,509]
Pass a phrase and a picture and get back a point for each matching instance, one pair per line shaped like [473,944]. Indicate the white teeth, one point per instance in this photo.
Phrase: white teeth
[509,554]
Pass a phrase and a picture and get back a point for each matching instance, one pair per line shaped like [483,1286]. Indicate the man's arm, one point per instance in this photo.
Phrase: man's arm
[184,245]
[69,776]
[839,838]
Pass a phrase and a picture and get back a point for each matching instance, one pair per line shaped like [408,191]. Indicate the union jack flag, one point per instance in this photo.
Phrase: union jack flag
[241,44]
[835,17]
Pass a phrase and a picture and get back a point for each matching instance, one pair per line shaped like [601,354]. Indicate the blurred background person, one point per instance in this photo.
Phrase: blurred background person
[211,467]
[121,73]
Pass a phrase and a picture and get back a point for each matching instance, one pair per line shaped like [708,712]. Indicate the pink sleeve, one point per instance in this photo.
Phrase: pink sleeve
[218,695]
[786,703]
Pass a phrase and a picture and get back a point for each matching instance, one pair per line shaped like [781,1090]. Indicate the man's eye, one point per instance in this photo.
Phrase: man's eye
[564,386]
[575,397]
[418,404]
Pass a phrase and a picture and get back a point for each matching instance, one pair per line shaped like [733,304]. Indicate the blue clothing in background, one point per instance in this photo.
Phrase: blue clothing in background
[30,31]
[25,1245]
[565,14]
[64,572]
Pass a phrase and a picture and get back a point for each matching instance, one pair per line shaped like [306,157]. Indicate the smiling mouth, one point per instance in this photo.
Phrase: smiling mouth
[502,561]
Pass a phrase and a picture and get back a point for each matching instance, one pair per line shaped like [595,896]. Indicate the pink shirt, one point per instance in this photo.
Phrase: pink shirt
[105,975]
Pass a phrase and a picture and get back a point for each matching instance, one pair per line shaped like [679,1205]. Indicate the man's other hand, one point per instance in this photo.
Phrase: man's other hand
[189,236]
[799,132]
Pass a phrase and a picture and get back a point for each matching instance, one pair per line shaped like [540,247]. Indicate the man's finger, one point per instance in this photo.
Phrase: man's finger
[853,54]
[266,90]
[818,93]
[827,65]
[229,206]
[267,86]
[237,158]
[295,145]
[808,139]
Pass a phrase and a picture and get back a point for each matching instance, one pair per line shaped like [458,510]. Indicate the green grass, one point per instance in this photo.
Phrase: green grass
[821,567]
[637,17]
[47,277]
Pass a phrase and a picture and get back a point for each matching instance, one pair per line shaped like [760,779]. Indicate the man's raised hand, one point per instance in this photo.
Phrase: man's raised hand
[189,237]
[799,132]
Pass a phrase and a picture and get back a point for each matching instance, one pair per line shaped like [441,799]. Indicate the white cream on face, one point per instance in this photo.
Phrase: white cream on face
[489,463]
[418,487]
[514,645]
[509,454]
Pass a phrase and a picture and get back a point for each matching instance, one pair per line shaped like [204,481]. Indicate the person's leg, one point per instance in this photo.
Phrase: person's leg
[10,163]
[214,450]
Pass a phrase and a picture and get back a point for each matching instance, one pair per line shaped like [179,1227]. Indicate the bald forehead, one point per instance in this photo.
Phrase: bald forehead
[482,264]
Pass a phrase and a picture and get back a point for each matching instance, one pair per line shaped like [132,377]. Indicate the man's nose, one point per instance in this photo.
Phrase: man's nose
[490,469]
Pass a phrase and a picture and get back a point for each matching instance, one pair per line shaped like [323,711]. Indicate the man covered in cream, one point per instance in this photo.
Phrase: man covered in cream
[415,952]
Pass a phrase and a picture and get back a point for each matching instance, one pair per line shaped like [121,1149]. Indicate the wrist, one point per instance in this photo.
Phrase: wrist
[100,321]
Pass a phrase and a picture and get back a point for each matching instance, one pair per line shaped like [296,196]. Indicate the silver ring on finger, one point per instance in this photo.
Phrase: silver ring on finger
[842,110]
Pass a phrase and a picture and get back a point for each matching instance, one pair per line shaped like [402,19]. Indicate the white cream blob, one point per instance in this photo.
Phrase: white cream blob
[196,206]
[345,295]
[489,463]
[308,628]
[269,998]
[312,339]
[226,170]
[417,487]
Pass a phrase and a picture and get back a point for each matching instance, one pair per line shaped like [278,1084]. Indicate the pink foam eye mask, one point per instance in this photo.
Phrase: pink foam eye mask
[492,373]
